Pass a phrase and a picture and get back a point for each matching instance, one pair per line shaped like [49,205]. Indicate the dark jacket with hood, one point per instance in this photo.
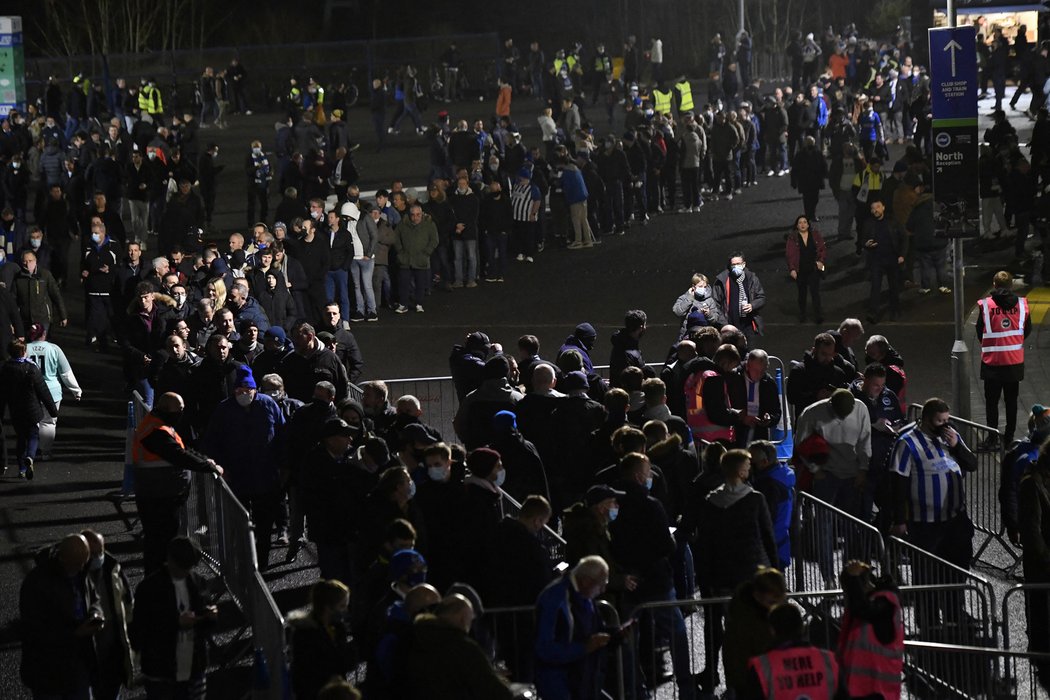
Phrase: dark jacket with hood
[625,353]
[809,377]
[736,537]
[641,541]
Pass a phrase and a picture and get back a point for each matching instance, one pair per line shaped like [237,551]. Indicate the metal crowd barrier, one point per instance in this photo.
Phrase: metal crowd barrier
[223,530]
[952,616]
[935,669]
[437,397]
[1024,606]
[828,538]
[982,486]
[928,665]
[513,640]
[554,542]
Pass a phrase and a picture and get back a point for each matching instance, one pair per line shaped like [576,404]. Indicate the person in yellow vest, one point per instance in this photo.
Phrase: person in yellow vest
[661,100]
[601,72]
[144,98]
[1003,323]
[871,644]
[685,95]
[162,466]
[294,99]
[154,104]
[316,98]
[792,669]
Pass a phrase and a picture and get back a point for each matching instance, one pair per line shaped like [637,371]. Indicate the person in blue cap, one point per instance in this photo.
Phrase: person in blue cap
[242,436]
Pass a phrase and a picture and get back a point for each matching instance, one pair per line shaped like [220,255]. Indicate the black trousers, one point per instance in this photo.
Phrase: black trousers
[993,389]
[160,525]
[809,285]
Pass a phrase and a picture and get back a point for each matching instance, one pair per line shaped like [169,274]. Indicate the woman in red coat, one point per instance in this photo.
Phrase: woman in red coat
[805,258]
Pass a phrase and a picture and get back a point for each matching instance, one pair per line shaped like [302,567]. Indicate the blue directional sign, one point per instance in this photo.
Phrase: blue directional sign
[953,65]
[953,87]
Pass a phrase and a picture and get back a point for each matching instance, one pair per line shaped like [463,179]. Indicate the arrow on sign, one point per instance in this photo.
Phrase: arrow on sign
[953,46]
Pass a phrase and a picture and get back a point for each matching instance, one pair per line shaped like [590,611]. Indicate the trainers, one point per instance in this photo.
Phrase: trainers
[29,468]
[390,130]
[530,259]
[737,191]
[574,246]
[471,284]
[356,318]
[457,285]
[770,174]
[499,279]
[924,291]
[588,244]
[490,279]
[419,308]
[944,290]
[989,444]
[372,317]
[400,309]
[729,196]
[282,537]
[520,257]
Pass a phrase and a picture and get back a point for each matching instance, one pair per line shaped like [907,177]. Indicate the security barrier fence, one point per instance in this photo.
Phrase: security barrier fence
[222,528]
[827,538]
[982,486]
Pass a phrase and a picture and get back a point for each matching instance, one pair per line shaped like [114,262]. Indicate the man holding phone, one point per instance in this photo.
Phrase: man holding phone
[60,613]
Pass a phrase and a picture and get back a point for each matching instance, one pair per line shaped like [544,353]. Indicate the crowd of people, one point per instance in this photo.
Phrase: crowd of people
[253,337]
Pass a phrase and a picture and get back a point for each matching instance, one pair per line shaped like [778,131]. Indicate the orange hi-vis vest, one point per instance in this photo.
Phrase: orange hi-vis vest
[797,672]
[869,666]
[141,457]
[1002,342]
[696,415]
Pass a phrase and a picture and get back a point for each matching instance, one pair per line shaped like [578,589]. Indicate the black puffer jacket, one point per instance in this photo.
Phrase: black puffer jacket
[736,537]
[24,393]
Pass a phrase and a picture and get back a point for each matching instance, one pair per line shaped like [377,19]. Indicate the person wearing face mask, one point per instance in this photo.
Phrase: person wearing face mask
[392,498]
[112,647]
[169,625]
[439,496]
[253,460]
[642,544]
[585,527]
[16,185]
[325,488]
[928,469]
[162,465]
[698,298]
[738,293]
[37,294]
[97,272]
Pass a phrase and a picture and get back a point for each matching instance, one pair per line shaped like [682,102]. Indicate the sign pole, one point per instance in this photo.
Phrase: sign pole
[953,59]
[960,359]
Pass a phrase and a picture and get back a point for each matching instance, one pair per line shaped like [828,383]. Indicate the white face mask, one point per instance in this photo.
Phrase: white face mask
[439,474]
[36,242]
[501,476]
[96,238]
[244,400]
[257,151]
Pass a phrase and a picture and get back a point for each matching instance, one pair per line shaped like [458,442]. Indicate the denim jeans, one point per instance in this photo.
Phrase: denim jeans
[335,287]
[465,249]
[495,254]
[381,284]
[412,286]
[932,268]
[27,441]
[844,495]
[667,624]
[364,295]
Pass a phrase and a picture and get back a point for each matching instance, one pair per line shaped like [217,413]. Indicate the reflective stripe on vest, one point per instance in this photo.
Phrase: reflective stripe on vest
[796,672]
[685,96]
[141,457]
[869,666]
[144,100]
[662,101]
[696,416]
[1002,342]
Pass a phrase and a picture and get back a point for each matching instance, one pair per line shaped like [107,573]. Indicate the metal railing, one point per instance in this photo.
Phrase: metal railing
[554,542]
[960,616]
[934,669]
[1025,607]
[828,538]
[223,530]
[512,643]
[982,486]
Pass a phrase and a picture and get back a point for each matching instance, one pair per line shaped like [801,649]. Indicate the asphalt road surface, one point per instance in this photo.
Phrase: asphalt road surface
[647,269]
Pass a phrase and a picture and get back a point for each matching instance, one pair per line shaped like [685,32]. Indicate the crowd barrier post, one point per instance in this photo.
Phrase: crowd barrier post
[554,542]
[781,433]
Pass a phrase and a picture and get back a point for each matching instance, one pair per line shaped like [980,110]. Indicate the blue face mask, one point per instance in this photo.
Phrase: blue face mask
[437,474]
[613,512]
[738,270]
[649,484]
[501,477]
